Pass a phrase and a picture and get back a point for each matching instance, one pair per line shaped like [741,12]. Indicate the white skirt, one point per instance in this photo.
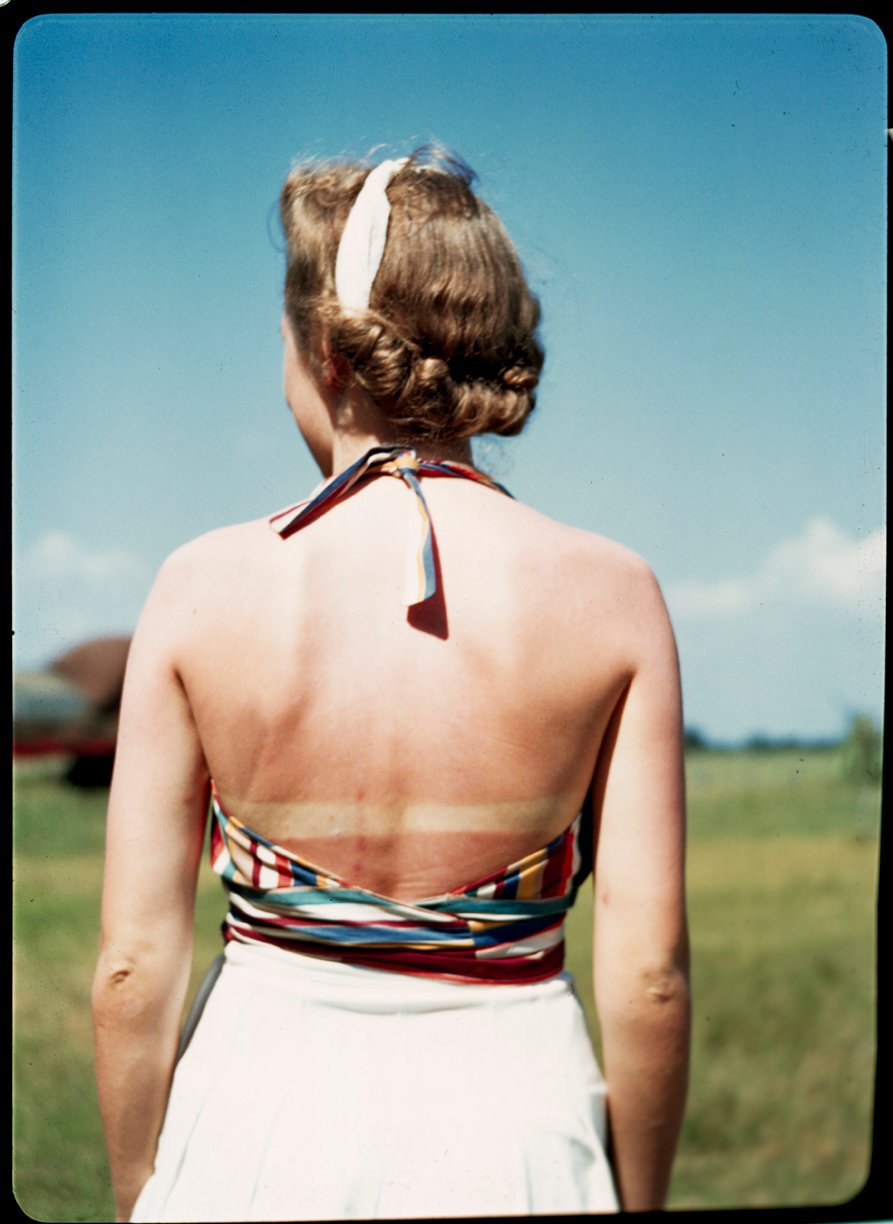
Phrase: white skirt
[314,1090]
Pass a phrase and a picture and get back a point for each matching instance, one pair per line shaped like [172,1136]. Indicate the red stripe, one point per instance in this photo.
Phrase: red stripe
[518,969]
[256,866]
[558,868]
[283,869]
[456,967]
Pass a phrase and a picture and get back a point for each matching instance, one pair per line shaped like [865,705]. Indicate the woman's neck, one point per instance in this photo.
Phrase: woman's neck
[348,446]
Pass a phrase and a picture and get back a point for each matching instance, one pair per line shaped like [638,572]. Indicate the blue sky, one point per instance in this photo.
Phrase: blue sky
[698,200]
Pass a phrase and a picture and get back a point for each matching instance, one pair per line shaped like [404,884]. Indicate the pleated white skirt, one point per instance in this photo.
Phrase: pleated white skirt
[313,1090]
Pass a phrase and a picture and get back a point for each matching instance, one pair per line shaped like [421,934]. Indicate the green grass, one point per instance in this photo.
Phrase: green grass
[782,886]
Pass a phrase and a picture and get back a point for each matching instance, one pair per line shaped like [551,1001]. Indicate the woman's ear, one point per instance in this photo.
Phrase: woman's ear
[336,370]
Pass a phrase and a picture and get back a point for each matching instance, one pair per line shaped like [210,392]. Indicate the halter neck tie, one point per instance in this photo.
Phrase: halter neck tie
[420,577]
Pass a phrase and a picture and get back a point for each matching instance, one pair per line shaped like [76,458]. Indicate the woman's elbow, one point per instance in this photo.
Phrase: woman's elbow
[119,987]
[134,984]
[665,977]
[665,985]
[647,989]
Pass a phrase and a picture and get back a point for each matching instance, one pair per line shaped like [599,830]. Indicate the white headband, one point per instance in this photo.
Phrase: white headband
[363,238]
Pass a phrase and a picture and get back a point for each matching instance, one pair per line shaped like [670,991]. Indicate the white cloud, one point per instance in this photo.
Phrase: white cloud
[58,556]
[823,566]
[66,591]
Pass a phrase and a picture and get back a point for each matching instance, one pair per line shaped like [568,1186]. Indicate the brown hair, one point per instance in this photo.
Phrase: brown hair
[447,347]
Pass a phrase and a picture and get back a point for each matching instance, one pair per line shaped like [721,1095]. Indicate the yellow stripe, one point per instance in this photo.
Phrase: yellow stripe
[530,884]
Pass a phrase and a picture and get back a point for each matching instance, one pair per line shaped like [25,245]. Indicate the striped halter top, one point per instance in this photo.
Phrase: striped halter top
[506,927]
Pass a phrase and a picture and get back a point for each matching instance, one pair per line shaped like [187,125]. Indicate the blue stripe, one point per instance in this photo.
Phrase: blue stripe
[469,906]
[508,886]
[328,932]
[510,932]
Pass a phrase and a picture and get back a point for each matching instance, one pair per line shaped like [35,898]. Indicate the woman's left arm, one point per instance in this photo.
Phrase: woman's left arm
[156,823]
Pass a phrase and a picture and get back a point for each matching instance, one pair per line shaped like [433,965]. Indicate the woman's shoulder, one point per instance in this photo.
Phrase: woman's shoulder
[218,545]
[209,563]
[588,555]
[586,578]
[200,578]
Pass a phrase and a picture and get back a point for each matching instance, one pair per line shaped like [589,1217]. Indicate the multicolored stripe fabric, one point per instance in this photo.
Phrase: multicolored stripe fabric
[505,928]
[420,580]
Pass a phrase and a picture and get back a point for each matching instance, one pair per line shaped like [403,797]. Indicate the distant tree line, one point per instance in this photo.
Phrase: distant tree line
[862,746]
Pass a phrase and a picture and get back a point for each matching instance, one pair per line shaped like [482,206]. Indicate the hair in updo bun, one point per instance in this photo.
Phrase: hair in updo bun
[447,347]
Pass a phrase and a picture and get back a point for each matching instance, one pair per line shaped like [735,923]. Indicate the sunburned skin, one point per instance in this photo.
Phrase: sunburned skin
[422,851]
[408,762]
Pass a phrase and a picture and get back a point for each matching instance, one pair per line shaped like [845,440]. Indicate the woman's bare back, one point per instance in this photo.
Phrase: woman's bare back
[409,752]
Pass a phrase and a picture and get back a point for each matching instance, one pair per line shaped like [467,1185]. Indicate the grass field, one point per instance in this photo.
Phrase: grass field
[782,873]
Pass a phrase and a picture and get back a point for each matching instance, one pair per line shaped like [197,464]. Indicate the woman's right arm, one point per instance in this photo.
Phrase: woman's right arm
[641,959]
[156,820]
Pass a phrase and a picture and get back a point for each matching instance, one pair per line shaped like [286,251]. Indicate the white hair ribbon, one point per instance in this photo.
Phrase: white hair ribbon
[363,238]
